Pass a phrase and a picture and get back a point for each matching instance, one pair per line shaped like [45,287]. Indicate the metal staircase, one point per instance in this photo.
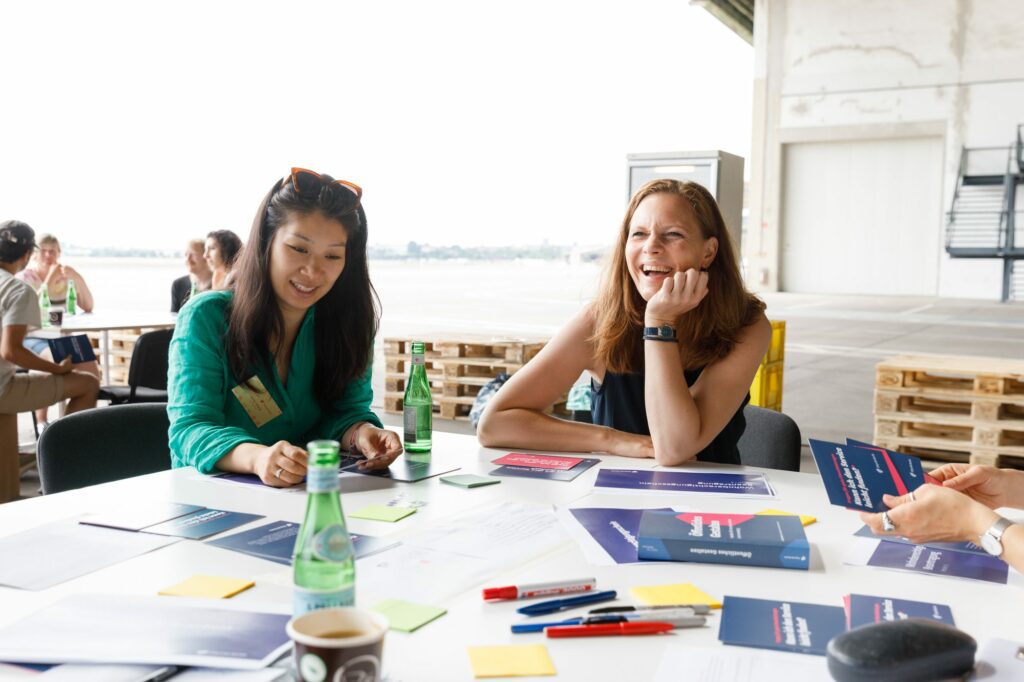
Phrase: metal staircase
[987,220]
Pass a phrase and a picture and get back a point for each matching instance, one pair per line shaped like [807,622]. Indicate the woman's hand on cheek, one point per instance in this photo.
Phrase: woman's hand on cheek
[679,294]
[380,447]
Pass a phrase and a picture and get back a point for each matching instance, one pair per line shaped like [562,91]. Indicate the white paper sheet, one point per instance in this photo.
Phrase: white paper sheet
[436,564]
[728,664]
[999,660]
[48,555]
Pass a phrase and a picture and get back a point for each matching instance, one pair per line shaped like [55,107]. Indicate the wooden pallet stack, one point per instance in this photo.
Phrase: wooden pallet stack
[456,369]
[122,344]
[952,409]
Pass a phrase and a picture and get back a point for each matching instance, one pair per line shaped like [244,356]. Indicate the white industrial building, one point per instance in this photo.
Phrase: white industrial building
[861,111]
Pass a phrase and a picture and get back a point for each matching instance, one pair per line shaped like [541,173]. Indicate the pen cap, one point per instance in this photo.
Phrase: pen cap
[501,593]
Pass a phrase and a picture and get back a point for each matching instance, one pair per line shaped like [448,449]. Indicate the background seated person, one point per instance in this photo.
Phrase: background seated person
[45,269]
[676,398]
[19,311]
[199,274]
[285,358]
[221,252]
[962,508]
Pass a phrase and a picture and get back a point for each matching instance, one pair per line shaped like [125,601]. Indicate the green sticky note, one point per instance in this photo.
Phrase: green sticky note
[380,512]
[405,616]
[469,480]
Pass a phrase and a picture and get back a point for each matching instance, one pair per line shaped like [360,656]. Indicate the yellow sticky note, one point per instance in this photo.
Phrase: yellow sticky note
[211,586]
[670,595]
[804,518]
[381,512]
[516,660]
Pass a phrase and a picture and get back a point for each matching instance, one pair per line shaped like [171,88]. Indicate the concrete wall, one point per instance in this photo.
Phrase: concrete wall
[881,69]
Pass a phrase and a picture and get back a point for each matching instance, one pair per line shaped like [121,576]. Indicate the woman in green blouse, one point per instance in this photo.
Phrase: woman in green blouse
[285,357]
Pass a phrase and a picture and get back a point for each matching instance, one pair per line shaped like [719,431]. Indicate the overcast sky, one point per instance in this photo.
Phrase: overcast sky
[466,122]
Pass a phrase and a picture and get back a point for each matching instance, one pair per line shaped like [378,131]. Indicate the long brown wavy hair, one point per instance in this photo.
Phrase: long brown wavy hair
[708,332]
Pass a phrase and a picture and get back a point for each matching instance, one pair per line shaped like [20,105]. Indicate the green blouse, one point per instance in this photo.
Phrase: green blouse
[207,420]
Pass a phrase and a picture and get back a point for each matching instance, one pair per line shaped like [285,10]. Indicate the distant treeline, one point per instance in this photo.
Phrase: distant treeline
[411,250]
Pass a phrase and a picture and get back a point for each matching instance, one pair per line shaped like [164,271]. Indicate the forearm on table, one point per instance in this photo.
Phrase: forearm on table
[240,459]
[534,430]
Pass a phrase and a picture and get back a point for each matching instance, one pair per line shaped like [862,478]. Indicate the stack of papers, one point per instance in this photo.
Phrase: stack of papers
[647,480]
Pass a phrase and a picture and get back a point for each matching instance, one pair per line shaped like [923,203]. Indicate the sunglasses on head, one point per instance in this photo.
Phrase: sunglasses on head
[310,183]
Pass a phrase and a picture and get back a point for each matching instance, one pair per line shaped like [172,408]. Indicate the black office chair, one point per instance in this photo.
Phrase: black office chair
[771,440]
[103,444]
[147,373]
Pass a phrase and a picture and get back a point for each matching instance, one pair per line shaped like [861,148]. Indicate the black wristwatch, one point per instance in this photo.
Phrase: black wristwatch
[663,333]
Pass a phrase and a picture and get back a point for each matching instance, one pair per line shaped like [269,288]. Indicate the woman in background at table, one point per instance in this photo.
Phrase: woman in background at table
[284,358]
[45,269]
[962,508]
[19,311]
[222,249]
[671,343]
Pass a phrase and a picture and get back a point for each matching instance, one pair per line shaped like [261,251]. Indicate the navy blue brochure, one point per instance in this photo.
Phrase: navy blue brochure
[545,472]
[614,529]
[275,542]
[408,470]
[136,517]
[781,625]
[740,539]
[863,610]
[921,559]
[77,346]
[965,546]
[685,482]
[856,476]
[202,524]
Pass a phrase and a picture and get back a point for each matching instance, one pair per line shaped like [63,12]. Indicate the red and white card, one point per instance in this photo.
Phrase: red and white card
[518,459]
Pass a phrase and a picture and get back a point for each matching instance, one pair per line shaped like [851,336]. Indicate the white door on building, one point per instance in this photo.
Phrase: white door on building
[862,217]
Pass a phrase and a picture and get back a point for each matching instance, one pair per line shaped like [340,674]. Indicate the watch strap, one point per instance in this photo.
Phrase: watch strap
[662,333]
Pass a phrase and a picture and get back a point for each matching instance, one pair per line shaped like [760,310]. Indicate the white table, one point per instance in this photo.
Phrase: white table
[111,320]
[438,650]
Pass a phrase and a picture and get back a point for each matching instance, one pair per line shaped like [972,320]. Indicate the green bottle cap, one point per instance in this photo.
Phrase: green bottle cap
[417,348]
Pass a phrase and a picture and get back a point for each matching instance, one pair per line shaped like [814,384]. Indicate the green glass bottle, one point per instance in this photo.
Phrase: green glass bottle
[418,406]
[324,561]
[44,306]
[193,291]
[71,302]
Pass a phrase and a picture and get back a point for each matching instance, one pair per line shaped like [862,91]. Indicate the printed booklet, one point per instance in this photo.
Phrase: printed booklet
[781,625]
[856,476]
[863,610]
[740,539]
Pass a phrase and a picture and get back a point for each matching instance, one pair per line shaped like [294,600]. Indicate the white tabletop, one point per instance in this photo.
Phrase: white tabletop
[438,650]
[109,320]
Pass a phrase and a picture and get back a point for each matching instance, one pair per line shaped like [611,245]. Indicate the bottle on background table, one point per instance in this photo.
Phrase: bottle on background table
[44,305]
[71,302]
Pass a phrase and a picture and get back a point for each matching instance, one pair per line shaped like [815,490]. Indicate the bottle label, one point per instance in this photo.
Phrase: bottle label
[322,480]
[306,600]
[417,360]
[409,420]
[418,422]
[332,544]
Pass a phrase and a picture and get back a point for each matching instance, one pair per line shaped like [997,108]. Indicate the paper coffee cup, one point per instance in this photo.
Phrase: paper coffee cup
[338,645]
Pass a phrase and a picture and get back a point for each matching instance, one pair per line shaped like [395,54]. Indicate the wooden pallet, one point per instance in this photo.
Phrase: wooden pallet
[935,452]
[939,376]
[1008,409]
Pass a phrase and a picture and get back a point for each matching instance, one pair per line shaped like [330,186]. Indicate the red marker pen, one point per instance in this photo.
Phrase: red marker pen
[540,589]
[605,629]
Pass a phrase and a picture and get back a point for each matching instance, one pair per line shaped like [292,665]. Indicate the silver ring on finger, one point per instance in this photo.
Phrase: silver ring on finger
[277,474]
[887,524]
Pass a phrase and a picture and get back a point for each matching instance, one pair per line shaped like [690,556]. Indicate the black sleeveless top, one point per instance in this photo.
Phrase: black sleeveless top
[619,403]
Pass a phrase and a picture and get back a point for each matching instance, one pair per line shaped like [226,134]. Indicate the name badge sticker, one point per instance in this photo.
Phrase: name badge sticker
[258,404]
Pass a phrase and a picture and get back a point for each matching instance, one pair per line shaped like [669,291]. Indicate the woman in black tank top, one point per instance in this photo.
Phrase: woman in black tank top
[671,344]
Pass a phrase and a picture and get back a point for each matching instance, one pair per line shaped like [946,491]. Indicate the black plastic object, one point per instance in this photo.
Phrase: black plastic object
[911,650]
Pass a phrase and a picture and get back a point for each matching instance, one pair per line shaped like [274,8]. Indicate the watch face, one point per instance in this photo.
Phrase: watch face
[666,331]
[991,545]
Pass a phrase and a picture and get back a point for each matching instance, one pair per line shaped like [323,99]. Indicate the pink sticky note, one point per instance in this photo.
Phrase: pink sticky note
[519,459]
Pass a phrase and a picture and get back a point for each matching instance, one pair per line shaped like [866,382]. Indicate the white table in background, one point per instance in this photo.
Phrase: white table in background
[111,320]
[438,650]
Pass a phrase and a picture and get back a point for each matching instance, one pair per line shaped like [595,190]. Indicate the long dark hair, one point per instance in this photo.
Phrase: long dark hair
[346,318]
[708,332]
[229,243]
[16,239]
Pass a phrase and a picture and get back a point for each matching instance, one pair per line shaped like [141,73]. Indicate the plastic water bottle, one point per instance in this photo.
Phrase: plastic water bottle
[417,405]
[324,561]
[71,302]
[44,306]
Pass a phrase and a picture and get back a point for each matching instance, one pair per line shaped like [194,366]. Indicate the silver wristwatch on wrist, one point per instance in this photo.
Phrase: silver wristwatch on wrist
[992,539]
